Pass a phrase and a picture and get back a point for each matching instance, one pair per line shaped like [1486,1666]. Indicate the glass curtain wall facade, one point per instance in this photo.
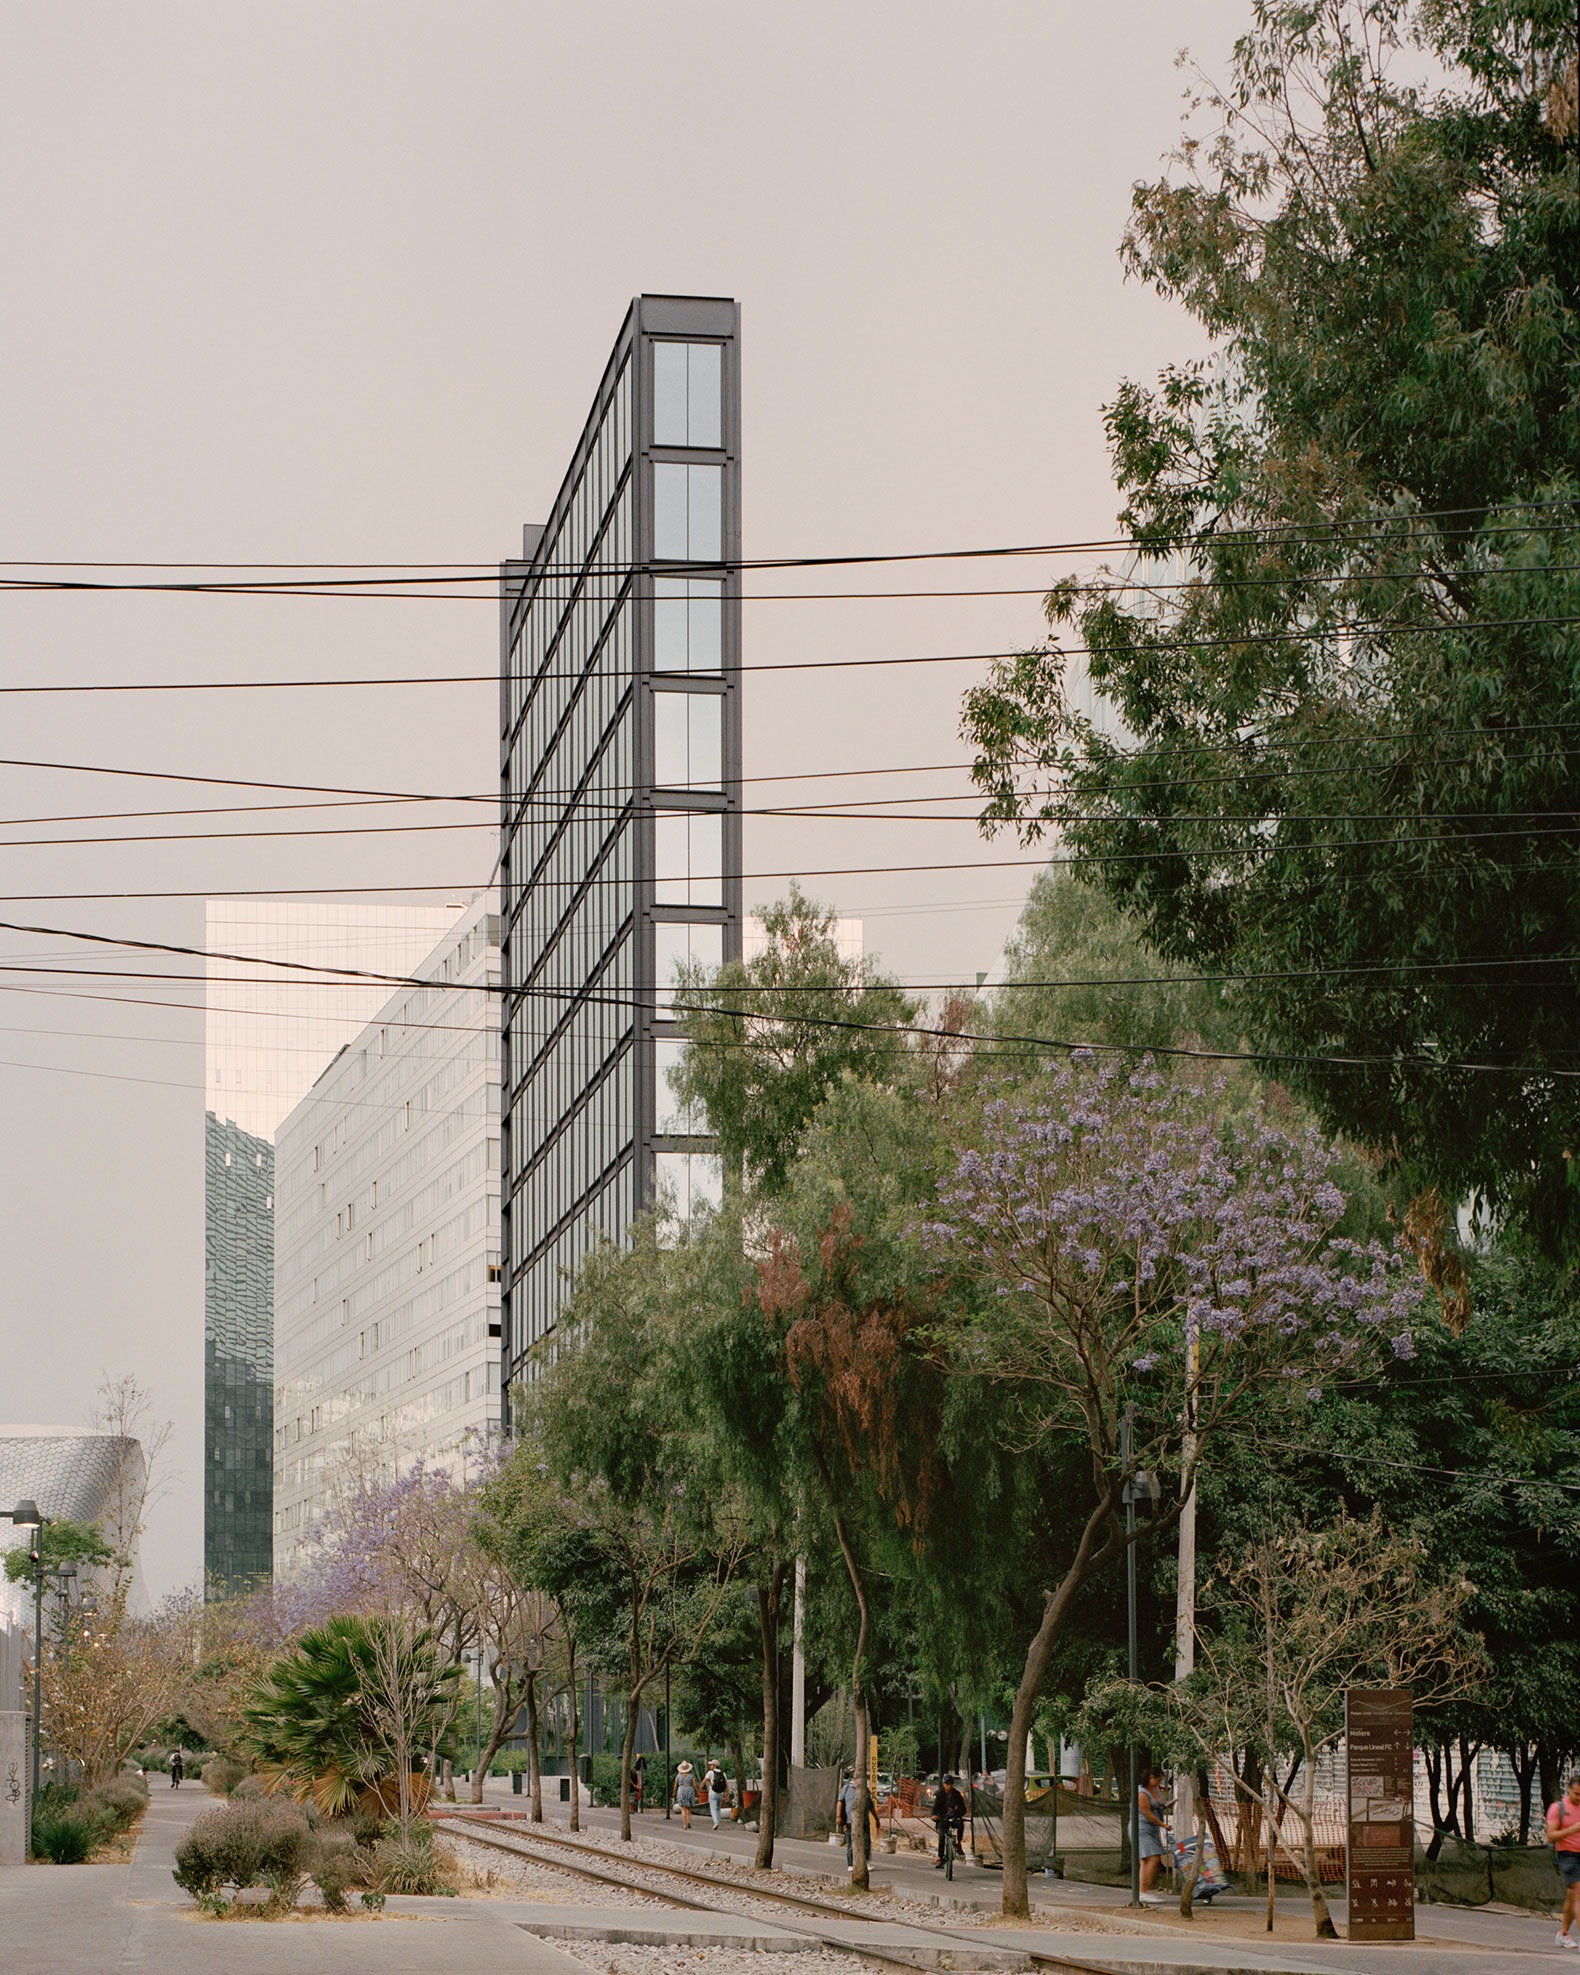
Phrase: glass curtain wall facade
[238,1353]
[386,1278]
[621,860]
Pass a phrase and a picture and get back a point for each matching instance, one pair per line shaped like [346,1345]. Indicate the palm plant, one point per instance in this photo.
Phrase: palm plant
[315,1725]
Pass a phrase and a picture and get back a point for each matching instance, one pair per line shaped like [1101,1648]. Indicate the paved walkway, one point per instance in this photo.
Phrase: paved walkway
[134,1920]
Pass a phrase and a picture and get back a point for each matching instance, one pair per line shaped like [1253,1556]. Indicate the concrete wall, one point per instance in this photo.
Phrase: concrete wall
[13,1786]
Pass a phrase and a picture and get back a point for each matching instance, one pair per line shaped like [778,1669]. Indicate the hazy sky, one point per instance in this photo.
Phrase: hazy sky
[331,282]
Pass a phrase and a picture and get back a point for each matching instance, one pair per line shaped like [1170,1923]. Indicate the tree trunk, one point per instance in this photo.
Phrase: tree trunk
[529,1701]
[633,1712]
[449,1780]
[858,1699]
[576,1782]
[1056,1606]
[1467,1786]
[1547,1770]
[1306,1811]
[769,1596]
[1523,1758]
[506,1701]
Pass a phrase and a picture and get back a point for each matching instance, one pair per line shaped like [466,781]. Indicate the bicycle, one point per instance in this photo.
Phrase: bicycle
[949,1851]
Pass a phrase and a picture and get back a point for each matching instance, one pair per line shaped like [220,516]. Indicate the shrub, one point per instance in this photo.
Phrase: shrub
[120,1801]
[246,1844]
[221,1774]
[64,1837]
[335,1866]
[367,1827]
[373,1900]
[55,1797]
[414,1867]
[249,1788]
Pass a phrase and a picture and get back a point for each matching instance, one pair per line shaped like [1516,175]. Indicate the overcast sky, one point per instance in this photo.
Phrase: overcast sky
[332,282]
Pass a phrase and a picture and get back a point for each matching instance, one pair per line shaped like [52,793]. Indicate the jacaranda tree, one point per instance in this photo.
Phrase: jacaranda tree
[1157,1279]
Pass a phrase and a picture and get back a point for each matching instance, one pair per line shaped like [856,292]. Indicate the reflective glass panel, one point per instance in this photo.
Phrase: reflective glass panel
[688,392]
[671,1117]
[669,394]
[688,512]
[687,740]
[688,624]
[688,850]
[678,947]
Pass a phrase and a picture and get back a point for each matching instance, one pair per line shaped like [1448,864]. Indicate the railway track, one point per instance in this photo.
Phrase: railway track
[519,1844]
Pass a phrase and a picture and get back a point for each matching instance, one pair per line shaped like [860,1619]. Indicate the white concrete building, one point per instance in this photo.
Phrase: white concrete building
[386,1273]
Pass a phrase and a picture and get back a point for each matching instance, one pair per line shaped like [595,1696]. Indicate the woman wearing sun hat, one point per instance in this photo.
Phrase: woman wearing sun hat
[685,1794]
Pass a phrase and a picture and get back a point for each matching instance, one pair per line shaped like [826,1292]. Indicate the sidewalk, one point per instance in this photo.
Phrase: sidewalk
[134,1920]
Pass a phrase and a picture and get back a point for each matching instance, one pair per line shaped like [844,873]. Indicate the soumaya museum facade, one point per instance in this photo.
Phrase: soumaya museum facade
[620,769]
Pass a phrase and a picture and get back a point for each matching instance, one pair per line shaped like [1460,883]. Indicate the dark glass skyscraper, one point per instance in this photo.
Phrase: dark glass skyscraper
[238,1358]
[620,711]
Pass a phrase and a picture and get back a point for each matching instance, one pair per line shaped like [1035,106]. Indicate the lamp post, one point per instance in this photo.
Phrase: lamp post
[26,1516]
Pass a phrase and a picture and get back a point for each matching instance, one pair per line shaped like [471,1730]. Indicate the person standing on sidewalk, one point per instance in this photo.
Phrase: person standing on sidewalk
[1563,1830]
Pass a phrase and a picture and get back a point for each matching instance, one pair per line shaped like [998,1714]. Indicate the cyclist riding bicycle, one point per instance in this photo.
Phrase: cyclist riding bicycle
[949,1815]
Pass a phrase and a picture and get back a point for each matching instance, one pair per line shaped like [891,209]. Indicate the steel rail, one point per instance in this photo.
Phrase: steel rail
[464,1828]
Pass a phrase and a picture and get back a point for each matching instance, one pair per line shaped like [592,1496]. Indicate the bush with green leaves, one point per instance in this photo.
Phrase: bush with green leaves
[221,1774]
[414,1867]
[65,1837]
[117,1804]
[247,1844]
[315,1722]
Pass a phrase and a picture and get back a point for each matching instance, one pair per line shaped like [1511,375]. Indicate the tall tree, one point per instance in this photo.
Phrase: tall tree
[651,1554]
[1155,1279]
[1343,659]
[773,1035]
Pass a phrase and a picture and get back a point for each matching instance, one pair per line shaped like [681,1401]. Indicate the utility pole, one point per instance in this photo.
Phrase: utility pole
[798,1670]
[1130,1597]
[1185,1596]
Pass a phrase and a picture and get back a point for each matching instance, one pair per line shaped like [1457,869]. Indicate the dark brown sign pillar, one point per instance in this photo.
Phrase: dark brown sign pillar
[1379,1738]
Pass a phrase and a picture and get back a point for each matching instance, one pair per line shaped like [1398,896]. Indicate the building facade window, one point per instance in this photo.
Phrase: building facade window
[594,864]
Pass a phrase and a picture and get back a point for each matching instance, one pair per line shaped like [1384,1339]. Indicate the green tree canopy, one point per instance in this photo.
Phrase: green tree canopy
[1342,665]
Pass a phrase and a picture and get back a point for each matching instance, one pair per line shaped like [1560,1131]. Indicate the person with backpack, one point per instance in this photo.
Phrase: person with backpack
[718,1788]
[177,1769]
[1563,1832]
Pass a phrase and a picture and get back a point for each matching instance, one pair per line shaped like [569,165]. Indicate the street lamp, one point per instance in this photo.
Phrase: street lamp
[26,1516]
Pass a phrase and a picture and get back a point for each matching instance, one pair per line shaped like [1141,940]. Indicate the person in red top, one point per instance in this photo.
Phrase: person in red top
[1563,1828]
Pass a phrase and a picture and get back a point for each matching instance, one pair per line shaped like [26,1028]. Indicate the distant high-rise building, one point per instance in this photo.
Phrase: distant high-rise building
[268,1031]
[238,1357]
[387,1268]
[621,859]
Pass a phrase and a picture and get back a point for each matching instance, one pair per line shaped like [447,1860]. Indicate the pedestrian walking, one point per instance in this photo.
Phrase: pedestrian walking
[177,1769]
[718,1788]
[845,1819]
[685,1793]
[1154,1832]
[1563,1830]
[638,1782]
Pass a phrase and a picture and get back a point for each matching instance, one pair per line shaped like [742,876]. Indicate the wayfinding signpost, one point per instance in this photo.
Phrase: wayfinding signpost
[1379,1736]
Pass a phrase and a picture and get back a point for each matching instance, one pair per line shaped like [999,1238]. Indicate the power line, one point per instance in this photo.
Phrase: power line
[1340,629]
[1290,533]
[1380,738]
[968,1039]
